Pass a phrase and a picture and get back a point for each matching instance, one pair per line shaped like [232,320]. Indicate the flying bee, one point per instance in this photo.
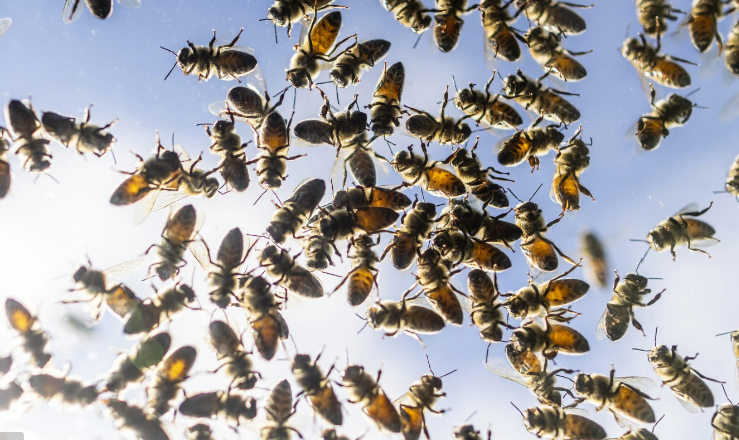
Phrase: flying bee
[456,248]
[131,417]
[540,381]
[289,218]
[674,111]
[286,12]
[358,155]
[543,101]
[231,406]
[289,274]
[385,105]
[365,391]
[410,13]
[279,409]
[539,250]
[652,12]
[486,108]
[363,197]
[731,56]
[179,232]
[227,61]
[267,324]
[539,300]
[250,103]
[9,394]
[434,279]
[478,179]
[500,37]
[99,8]
[234,171]
[363,275]
[681,229]
[331,434]
[70,391]
[394,317]
[619,395]
[222,273]
[627,294]
[703,24]
[595,255]
[33,338]
[316,387]
[449,22]
[349,66]
[315,48]
[191,182]
[427,175]
[22,119]
[168,379]
[571,160]
[84,137]
[34,154]
[550,340]
[553,15]
[546,50]
[230,349]
[556,424]
[199,431]
[273,144]
[725,422]
[149,313]
[442,130]
[224,137]
[5,174]
[649,62]
[485,311]
[334,130]
[468,432]
[96,285]
[407,241]
[421,397]
[343,223]
[131,367]
[481,287]
[318,250]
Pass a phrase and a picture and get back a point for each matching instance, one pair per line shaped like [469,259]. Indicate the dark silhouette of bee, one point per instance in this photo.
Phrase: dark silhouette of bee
[331,434]
[457,247]
[267,324]
[421,397]
[179,232]
[442,130]
[554,422]
[681,229]
[732,181]
[315,48]
[434,279]
[649,62]
[343,223]
[358,155]
[168,380]
[703,24]
[449,22]
[543,101]
[550,340]
[335,130]
[192,182]
[230,351]
[394,317]
[222,273]
[149,313]
[468,432]
[286,12]
[234,171]
[546,50]
[279,409]
[230,406]
[500,38]
[363,275]
[227,144]
[289,274]
[316,387]
[96,285]
[131,367]
[731,54]
[725,422]
[5,364]
[318,250]
[487,109]
[365,197]
[385,105]
[99,8]
[571,160]
[250,103]
[539,300]
[478,179]
[21,118]
[540,252]
[553,15]
[199,431]
[362,56]
[70,391]
[619,395]
[32,150]
[9,394]
[595,255]
[34,154]
[365,391]
[133,418]
[289,218]
[227,61]
[410,13]
[33,338]
[273,144]
[6,176]
[652,12]
[83,137]
[407,241]
[627,294]
[674,111]
[538,379]
[417,170]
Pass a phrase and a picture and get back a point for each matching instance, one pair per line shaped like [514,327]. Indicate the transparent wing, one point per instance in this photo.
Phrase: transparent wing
[466,303]
[690,207]
[626,422]
[200,252]
[179,149]
[339,169]
[576,411]
[730,110]
[225,37]
[499,145]
[72,10]
[142,208]
[304,25]
[404,398]
[290,301]
[199,222]
[255,78]
[5,24]
[131,3]
[122,271]
[687,405]
[167,198]
[216,108]
[491,61]
[245,49]
[640,383]
[501,367]
[710,63]
[600,333]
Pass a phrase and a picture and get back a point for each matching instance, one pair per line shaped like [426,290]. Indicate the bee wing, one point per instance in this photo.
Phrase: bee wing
[491,61]
[180,150]
[72,10]
[131,3]
[142,208]
[122,271]
[466,303]
[225,37]
[502,368]
[200,252]
[576,411]
[730,110]
[255,78]
[600,332]
[687,404]
[167,198]
[690,207]
[290,301]
[339,168]
[5,24]
[499,145]
[217,108]
[639,383]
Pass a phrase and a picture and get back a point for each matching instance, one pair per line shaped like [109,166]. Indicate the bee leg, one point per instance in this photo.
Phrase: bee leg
[585,191]
[636,323]
[704,377]
[655,299]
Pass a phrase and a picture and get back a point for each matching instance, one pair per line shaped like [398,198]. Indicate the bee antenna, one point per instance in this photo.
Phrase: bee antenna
[725,394]
[642,259]
[294,343]
[720,192]
[447,374]
[469,416]
[692,92]
[537,190]
[417,40]
[429,364]
[454,81]
[663,416]
[725,333]
[519,411]
[655,336]
[260,196]
[702,107]
[514,195]
[640,349]
[168,50]
[360,331]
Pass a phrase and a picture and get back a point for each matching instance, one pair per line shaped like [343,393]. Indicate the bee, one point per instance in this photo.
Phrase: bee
[460,215]
[317,388]
[682,228]
[500,37]
[234,171]
[595,255]
[540,381]
[263,314]
[318,250]
[199,431]
[522,361]
[555,423]
[539,250]
[538,300]
[334,130]
[652,12]
[99,8]
[84,137]
[639,434]
[478,179]
[417,170]
[385,105]
[619,395]
[33,338]
[179,232]
[315,48]
[5,174]
[674,111]
[34,154]
[358,155]
[342,223]
[571,160]
[289,218]
[550,340]
[131,367]
[279,409]
[96,285]
[703,24]
[649,62]
[415,227]
[421,397]
[725,422]
[731,56]
[131,417]
[22,119]
[149,313]
[273,144]
[362,56]
[168,379]
[495,230]
[444,130]
[449,22]
[394,317]
[546,50]
[365,391]
[456,248]
[365,197]
[486,108]
[5,364]
[250,103]
[230,349]
[289,274]
[434,279]
[227,61]
[227,144]
[468,432]
[732,181]
[231,406]
[363,275]
[9,394]
[194,182]
[410,13]
[286,12]
[70,391]
[222,273]
[544,101]
[627,294]
[554,16]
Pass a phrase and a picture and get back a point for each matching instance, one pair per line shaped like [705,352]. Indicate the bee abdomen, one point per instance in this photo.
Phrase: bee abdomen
[360,286]
[236,63]
[362,168]
[403,251]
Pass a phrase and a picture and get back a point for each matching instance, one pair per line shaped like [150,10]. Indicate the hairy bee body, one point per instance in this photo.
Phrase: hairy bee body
[6,177]
[349,66]
[433,277]
[421,397]
[199,431]
[498,34]
[652,64]
[554,16]
[168,379]
[34,154]
[365,197]
[83,137]
[546,50]
[33,338]
[443,130]
[67,390]
[458,248]
[225,62]
[267,324]
[703,23]
[295,211]
[410,13]
[363,276]
[231,352]
[487,316]
[315,47]
[156,172]
[131,417]
[415,227]
[342,223]
[529,144]
[549,340]
[478,179]
[652,15]
[674,111]
[177,235]
[680,229]
[417,170]
[540,252]
[394,317]
[615,395]
[487,108]
[449,23]
[336,130]
[317,388]
[468,432]
[627,294]
[571,160]
[22,119]
[232,406]
[682,379]
[289,274]
[364,390]
[725,422]
[543,101]
[385,105]
[286,12]
[555,424]
[148,314]
[539,300]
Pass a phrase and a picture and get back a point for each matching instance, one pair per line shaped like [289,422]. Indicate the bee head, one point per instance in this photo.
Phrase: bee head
[533,418]
[513,85]
[185,57]
[659,356]
[222,127]
[527,211]
[535,36]
[301,362]
[279,12]
[428,209]
[170,157]
[637,280]
[583,384]
[268,253]
[517,307]
[402,161]
[377,314]
[298,78]
[431,381]
[353,374]
[186,292]
[429,257]
[341,75]
[554,134]
[461,134]
[87,395]
[442,241]
[420,23]
[465,431]
[492,333]
[79,275]
[359,120]
[329,434]
[198,431]
[631,48]
[658,238]
[211,187]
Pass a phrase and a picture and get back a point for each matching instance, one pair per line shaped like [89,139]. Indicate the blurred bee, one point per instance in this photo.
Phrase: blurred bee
[5,175]
[544,101]
[735,345]
[179,232]
[227,61]
[193,182]
[227,144]
[21,118]
[289,218]
[649,62]
[394,317]
[725,422]
[486,108]
[96,285]
[131,367]
[674,111]
[279,409]
[5,364]
[681,229]
[478,179]
[468,432]
[133,418]
[449,22]
[222,273]
[427,175]
[362,56]
[444,130]
[363,275]
[263,314]
[619,395]
[149,313]
[273,144]
[553,15]
[538,300]
[571,160]
[317,388]
[627,294]
[365,391]
[230,350]
[434,279]
[234,171]
[652,12]
[555,423]
[315,48]
[343,223]
[595,255]
[410,13]
[84,137]
[99,8]
[334,130]
[731,56]
[546,50]
[33,338]
[69,391]
[541,382]
[199,431]
[230,406]
[500,37]
[407,241]
[639,434]
[289,274]
[34,154]
[421,397]
[550,340]
[286,12]
[456,248]
[331,434]
[703,24]
[539,250]
[364,197]
[168,379]
[9,394]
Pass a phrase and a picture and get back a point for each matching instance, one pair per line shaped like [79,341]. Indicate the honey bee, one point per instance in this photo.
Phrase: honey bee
[571,160]
[460,215]
[550,340]
[652,12]
[415,227]
[179,232]
[334,130]
[546,50]
[273,144]
[485,311]
[394,317]
[289,274]
[522,361]
[190,182]
[595,255]
[553,15]
[543,101]
[222,273]
[227,144]
[410,13]
[731,57]
[149,313]
[385,105]
[342,223]
[331,434]
[199,431]
[230,349]
[444,130]
[318,250]
[131,417]
[316,47]
[22,119]
[359,157]
[84,137]
[96,285]
[487,109]
[478,179]
[234,171]
[468,432]
[289,218]
[538,300]
[674,111]
[68,390]
[263,314]
[363,275]
[456,248]
[627,294]
[168,380]
[639,434]
[34,154]
[434,279]
[9,394]
[226,61]
[731,186]
[449,22]
[364,197]
[725,422]
[421,397]
[619,395]
[5,174]
[703,24]
[33,338]
[555,423]
[250,103]
[682,228]
[362,56]
[649,62]
[735,345]
[539,250]
[317,388]
[500,37]
[99,8]
[541,382]
[131,367]
[365,391]
[231,406]
[427,175]
[279,409]
[286,12]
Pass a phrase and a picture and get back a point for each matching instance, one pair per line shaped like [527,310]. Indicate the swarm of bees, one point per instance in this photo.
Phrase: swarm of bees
[261,273]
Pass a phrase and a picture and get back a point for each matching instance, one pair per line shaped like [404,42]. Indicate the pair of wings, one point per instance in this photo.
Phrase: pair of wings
[73,8]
